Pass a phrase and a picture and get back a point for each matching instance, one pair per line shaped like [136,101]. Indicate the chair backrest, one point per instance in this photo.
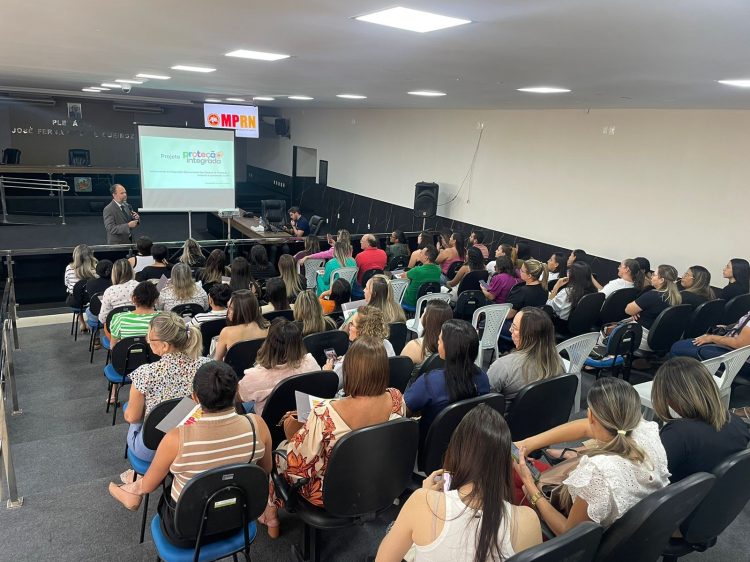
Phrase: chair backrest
[736,308]
[360,479]
[398,262]
[400,369]
[542,405]
[130,353]
[613,309]
[445,423]
[643,531]
[274,314]
[11,156]
[118,310]
[469,302]
[188,309]
[724,501]
[79,157]
[399,288]
[428,288]
[152,436]
[95,303]
[369,274]
[348,273]
[578,349]
[220,500]
[577,545]
[242,355]
[494,317]
[331,339]
[422,301]
[79,290]
[453,269]
[274,211]
[316,221]
[211,329]
[584,317]
[705,315]
[397,336]
[470,281]
[668,327]
[625,339]
[322,384]
[733,361]
[311,271]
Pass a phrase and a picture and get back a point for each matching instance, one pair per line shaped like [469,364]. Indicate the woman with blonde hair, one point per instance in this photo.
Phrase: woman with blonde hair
[181,289]
[531,291]
[625,463]
[342,236]
[379,293]
[696,285]
[192,255]
[698,431]
[342,257]
[179,348]
[83,267]
[121,291]
[292,279]
[647,307]
[309,312]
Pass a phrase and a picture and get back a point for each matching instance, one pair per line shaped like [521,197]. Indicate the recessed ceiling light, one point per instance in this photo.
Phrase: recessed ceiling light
[263,98]
[98,88]
[427,93]
[92,90]
[235,99]
[736,83]
[255,55]
[191,68]
[412,20]
[301,98]
[213,100]
[111,85]
[544,90]
[153,76]
[351,96]
[128,81]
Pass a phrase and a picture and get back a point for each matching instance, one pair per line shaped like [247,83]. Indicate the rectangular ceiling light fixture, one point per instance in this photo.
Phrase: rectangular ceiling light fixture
[412,20]
[255,55]
[191,68]
[152,76]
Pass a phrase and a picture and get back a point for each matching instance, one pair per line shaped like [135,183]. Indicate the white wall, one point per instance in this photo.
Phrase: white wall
[669,185]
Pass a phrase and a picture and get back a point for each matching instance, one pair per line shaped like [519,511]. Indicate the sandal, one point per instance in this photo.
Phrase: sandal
[271,520]
[129,476]
[129,500]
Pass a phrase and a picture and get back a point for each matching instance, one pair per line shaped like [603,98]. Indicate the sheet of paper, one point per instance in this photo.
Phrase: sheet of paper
[305,404]
[185,409]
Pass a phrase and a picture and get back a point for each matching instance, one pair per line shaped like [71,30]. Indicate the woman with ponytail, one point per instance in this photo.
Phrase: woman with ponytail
[531,291]
[629,275]
[650,304]
[179,347]
[623,464]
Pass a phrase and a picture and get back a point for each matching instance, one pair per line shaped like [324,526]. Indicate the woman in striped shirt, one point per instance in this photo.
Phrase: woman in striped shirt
[136,322]
[218,437]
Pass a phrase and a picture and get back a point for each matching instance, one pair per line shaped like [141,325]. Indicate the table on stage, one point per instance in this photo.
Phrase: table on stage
[244,225]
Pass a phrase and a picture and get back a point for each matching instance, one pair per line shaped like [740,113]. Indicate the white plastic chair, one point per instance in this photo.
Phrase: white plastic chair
[311,272]
[413,324]
[348,273]
[399,289]
[578,349]
[494,318]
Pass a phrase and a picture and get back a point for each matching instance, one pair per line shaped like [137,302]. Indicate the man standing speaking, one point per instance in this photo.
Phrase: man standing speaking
[119,218]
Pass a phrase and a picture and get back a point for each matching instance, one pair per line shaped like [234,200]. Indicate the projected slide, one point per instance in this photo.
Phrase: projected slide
[186,169]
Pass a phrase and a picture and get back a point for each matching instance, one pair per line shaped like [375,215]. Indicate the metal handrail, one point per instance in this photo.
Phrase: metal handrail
[7,376]
[59,186]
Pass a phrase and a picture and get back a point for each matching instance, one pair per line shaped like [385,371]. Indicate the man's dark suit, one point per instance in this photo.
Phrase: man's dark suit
[116,223]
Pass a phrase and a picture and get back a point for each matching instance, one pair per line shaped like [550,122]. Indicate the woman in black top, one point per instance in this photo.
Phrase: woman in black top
[738,273]
[213,271]
[696,286]
[160,266]
[532,291]
[698,432]
[650,304]
[259,264]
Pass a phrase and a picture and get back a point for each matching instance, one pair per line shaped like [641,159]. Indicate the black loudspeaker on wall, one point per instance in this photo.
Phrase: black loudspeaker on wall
[282,127]
[425,199]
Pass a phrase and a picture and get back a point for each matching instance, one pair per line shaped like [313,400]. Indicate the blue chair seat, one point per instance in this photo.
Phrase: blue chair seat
[94,325]
[113,376]
[139,465]
[104,339]
[606,363]
[209,551]
[408,307]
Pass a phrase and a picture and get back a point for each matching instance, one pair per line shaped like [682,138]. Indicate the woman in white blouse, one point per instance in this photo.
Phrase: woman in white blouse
[181,289]
[121,291]
[570,290]
[629,274]
[625,463]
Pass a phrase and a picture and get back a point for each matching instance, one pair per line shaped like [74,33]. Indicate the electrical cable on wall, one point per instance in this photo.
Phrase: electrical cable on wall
[468,172]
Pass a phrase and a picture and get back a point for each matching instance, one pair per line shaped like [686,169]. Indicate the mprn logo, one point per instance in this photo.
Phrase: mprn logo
[213,120]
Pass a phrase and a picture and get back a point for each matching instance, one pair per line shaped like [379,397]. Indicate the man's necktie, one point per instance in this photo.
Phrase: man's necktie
[124,212]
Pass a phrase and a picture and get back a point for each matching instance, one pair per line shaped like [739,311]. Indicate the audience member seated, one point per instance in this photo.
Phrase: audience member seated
[241,278]
[342,252]
[473,518]
[625,463]
[218,299]
[282,355]
[98,285]
[367,323]
[698,432]
[143,257]
[648,273]
[459,379]
[737,272]
[312,246]
[169,377]
[343,236]
[260,267]
[371,257]
[578,255]
[397,245]
[83,267]
[535,357]
[308,312]
[454,252]
[293,283]
[650,304]
[332,299]
[423,239]
[476,240]
[160,266]
[214,270]
[121,291]
[244,322]
[532,291]
[192,254]
[503,280]
[276,296]
[219,427]
[436,314]
[471,272]
[521,253]
[134,322]
[557,265]
[428,272]
[629,275]
[379,293]
[570,290]
[712,345]
[181,289]
[696,286]
[501,250]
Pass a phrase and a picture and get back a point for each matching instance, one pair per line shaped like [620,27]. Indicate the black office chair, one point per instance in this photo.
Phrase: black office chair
[397,335]
[400,369]
[398,262]
[706,315]
[618,353]
[79,157]
[369,274]
[542,405]
[583,318]
[274,314]
[453,269]
[724,502]
[360,480]
[316,221]
[188,310]
[322,384]
[468,302]
[613,309]
[11,156]
[209,330]
[217,502]
[129,354]
[579,545]
[736,308]
[108,323]
[470,281]
[668,328]
[242,355]
[646,527]
[274,211]
[430,456]
[332,339]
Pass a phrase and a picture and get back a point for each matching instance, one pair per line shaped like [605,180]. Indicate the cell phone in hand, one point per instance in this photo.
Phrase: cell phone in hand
[445,478]
[483,284]
[514,452]
[330,354]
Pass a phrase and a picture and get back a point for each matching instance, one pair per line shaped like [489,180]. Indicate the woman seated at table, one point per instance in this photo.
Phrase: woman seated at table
[214,388]
[244,322]
[170,377]
[420,349]
[181,289]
